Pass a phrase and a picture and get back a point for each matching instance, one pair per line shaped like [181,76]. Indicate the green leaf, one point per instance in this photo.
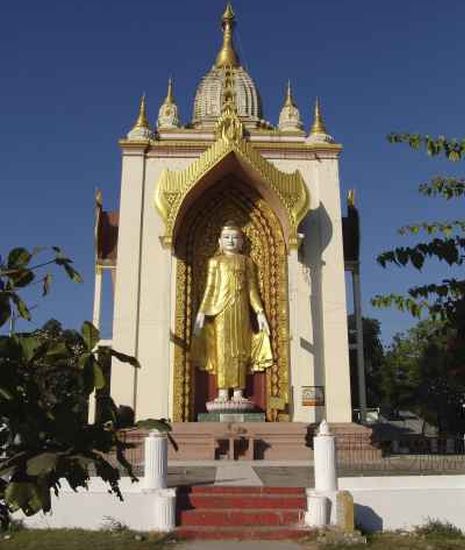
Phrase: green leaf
[46,283]
[26,496]
[57,350]
[5,394]
[42,464]
[18,257]
[154,424]
[99,378]
[29,345]
[72,273]
[22,277]
[90,334]
[125,358]
[21,306]
[5,308]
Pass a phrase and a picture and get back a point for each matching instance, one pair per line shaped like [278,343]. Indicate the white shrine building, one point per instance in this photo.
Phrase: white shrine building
[179,182]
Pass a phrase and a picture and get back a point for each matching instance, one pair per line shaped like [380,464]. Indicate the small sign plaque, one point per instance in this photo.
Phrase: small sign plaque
[313,396]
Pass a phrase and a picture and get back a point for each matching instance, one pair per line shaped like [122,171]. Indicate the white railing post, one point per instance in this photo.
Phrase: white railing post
[164,510]
[321,500]
[324,456]
[156,460]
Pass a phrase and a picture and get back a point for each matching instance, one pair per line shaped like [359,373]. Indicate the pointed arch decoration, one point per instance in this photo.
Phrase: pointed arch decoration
[289,189]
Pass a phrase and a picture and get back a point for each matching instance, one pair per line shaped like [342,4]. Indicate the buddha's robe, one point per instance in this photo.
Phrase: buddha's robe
[227,345]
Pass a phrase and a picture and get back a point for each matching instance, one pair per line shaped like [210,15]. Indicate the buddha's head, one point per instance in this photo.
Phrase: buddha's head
[231,238]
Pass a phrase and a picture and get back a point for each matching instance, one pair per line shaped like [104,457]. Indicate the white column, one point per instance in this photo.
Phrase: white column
[318,507]
[165,510]
[324,458]
[96,322]
[333,294]
[127,287]
[321,501]
[156,460]
[97,297]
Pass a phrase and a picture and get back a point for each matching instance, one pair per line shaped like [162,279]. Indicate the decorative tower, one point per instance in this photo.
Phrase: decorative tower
[177,191]
[141,129]
[209,95]
[318,132]
[168,114]
[289,118]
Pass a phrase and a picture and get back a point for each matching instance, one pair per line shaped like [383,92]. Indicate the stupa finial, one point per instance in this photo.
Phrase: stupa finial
[289,101]
[168,116]
[227,56]
[141,129]
[169,100]
[318,126]
[289,117]
[142,121]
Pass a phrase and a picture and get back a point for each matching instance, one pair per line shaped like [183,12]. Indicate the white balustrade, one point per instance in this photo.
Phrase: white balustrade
[156,460]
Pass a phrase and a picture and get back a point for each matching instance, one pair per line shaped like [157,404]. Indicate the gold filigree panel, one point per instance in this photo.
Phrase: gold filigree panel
[230,199]
[173,186]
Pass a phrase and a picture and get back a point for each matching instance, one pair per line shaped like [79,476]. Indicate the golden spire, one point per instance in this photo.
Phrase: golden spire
[142,121]
[351,197]
[227,56]
[169,99]
[289,102]
[318,126]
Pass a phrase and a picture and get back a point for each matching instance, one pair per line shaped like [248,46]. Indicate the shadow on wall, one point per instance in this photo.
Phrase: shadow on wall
[318,231]
[366,519]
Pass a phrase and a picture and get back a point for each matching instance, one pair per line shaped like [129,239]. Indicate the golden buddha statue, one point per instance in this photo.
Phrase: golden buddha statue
[224,342]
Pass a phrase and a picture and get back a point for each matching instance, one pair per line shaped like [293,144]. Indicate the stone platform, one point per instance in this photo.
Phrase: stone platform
[255,441]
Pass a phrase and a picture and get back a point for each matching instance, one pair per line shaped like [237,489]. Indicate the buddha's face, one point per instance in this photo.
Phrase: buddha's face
[231,240]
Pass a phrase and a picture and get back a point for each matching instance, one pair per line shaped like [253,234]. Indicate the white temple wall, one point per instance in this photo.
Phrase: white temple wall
[332,291]
[125,316]
[154,384]
[319,340]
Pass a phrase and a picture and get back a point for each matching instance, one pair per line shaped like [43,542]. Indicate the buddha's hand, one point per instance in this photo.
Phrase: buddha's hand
[199,322]
[263,323]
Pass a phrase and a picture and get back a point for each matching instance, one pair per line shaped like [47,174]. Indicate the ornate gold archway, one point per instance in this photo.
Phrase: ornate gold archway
[231,180]
[231,198]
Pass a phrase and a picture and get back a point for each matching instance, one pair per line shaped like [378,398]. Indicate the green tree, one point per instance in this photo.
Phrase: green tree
[441,240]
[417,376]
[374,359]
[46,379]
[445,241]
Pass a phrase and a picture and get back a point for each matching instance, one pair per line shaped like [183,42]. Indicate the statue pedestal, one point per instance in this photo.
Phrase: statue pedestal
[231,417]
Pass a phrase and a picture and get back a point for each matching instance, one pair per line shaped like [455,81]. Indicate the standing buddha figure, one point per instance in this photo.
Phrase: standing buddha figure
[224,342]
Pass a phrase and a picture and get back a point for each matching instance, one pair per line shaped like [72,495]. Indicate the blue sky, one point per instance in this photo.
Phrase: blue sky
[71,74]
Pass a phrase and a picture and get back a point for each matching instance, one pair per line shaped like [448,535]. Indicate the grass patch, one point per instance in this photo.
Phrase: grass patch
[79,539]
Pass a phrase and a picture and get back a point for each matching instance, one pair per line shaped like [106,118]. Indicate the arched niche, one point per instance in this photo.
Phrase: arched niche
[232,196]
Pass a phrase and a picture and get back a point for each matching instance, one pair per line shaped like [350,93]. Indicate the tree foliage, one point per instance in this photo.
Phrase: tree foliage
[420,374]
[23,268]
[440,240]
[374,359]
[46,379]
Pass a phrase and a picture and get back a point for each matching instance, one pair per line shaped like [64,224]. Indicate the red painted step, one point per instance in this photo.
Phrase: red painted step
[226,501]
[235,489]
[232,512]
[228,517]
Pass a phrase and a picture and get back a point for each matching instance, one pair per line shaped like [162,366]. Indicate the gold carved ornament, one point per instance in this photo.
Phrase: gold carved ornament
[267,249]
[174,186]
